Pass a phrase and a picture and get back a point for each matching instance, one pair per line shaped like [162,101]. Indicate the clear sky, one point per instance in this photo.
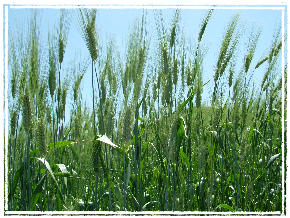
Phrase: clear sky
[116,22]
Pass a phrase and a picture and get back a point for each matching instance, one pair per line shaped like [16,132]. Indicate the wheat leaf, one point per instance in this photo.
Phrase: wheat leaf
[60,144]
[106,140]
[46,164]
[272,159]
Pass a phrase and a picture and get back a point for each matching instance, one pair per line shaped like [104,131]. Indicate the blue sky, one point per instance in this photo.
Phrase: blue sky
[116,22]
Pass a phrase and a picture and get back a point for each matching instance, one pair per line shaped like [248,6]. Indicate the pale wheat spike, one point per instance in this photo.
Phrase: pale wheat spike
[26,112]
[127,126]
[41,138]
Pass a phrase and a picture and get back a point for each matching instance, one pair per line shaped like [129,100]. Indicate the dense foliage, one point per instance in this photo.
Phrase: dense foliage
[164,150]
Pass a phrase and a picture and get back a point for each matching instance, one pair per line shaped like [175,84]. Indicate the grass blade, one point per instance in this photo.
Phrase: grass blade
[226,207]
[272,159]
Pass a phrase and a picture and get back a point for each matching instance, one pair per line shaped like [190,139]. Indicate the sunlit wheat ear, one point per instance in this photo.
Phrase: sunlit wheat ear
[90,38]
[173,33]
[26,113]
[103,89]
[22,81]
[231,77]
[172,139]
[175,72]
[127,125]
[60,48]
[48,115]
[154,91]
[87,29]
[63,33]
[52,70]
[59,93]
[188,74]
[63,98]
[228,47]
[13,120]
[77,85]
[281,82]
[33,65]
[41,99]
[13,85]
[41,138]
[203,26]
[198,97]
[217,117]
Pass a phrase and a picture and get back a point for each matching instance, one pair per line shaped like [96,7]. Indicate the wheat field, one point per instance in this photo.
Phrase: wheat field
[164,149]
